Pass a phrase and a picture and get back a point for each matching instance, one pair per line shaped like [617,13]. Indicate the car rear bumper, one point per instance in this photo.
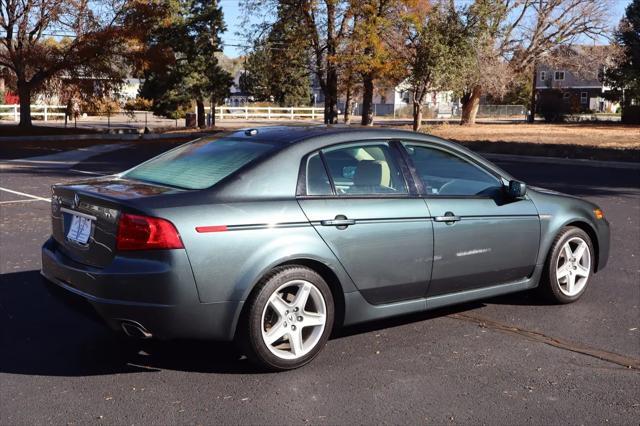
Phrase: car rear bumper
[152,296]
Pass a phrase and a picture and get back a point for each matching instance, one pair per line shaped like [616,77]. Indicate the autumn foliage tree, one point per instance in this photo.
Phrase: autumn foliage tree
[376,47]
[45,39]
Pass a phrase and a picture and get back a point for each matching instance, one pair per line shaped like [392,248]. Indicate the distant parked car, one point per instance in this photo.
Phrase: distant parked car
[274,236]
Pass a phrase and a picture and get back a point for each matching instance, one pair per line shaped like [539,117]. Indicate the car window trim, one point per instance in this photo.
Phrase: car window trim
[462,156]
[301,191]
[327,171]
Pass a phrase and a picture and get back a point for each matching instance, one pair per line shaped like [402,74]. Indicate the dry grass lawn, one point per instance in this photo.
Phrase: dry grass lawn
[588,135]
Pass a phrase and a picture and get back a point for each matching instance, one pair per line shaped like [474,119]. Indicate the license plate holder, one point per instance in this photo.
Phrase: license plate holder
[79,230]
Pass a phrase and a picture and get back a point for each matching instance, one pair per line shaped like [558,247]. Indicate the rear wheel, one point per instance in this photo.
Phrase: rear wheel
[569,266]
[289,318]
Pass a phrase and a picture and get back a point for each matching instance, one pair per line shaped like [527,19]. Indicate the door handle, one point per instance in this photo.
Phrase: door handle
[448,218]
[340,221]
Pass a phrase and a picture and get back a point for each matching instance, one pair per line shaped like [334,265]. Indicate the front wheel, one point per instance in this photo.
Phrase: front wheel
[568,267]
[289,318]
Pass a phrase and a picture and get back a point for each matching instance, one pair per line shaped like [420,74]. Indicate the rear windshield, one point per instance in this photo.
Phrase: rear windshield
[200,164]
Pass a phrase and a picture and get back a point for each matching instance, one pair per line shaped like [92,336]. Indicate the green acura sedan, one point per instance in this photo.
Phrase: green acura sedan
[275,236]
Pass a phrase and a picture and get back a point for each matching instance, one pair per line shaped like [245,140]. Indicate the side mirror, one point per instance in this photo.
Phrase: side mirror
[516,189]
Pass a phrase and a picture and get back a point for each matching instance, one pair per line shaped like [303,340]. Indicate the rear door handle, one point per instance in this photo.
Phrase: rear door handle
[448,217]
[340,221]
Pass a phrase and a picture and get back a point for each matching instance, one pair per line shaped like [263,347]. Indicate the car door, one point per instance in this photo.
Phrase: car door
[362,205]
[481,236]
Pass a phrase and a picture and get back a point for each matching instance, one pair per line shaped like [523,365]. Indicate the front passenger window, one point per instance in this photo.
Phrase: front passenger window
[446,174]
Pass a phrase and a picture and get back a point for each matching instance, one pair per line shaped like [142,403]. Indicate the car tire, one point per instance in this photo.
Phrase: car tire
[288,318]
[569,266]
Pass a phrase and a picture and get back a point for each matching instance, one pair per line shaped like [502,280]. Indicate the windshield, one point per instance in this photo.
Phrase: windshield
[200,164]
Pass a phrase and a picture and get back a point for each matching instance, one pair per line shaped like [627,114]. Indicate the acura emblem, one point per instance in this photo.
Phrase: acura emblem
[76,201]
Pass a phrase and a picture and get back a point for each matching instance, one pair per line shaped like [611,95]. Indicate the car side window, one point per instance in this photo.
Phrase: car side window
[364,169]
[317,179]
[445,174]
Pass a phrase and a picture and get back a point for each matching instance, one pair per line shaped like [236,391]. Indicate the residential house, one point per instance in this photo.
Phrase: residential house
[574,75]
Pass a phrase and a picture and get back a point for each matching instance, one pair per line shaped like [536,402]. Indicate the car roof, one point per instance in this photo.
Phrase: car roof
[286,135]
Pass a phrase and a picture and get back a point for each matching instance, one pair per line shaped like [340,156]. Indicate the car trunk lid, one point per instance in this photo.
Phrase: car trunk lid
[85,215]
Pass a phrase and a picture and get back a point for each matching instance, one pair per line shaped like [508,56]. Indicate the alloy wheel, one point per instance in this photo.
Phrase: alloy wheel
[293,319]
[573,266]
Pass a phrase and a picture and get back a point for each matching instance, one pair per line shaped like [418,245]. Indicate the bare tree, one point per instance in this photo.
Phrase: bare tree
[44,39]
[519,32]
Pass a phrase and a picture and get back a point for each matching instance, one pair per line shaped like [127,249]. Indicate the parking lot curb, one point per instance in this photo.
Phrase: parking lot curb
[105,137]
[561,161]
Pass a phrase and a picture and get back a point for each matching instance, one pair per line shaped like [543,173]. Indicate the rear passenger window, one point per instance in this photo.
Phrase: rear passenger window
[317,179]
[364,169]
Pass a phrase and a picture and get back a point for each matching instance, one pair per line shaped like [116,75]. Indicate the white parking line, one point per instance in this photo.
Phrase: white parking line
[35,197]
[18,201]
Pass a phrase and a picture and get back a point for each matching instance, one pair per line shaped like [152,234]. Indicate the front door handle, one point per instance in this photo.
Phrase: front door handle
[340,222]
[448,218]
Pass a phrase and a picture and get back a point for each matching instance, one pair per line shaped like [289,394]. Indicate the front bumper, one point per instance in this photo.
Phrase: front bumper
[155,290]
[604,242]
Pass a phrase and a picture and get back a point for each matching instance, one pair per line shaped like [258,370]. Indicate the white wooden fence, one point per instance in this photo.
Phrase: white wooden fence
[47,112]
[247,112]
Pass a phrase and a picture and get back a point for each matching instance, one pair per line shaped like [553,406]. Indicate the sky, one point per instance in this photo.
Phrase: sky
[233,19]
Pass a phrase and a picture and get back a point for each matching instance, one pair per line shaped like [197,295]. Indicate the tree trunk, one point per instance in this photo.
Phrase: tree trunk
[347,107]
[532,106]
[470,105]
[331,97]
[213,112]
[367,100]
[24,92]
[331,89]
[417,116]
[201,114]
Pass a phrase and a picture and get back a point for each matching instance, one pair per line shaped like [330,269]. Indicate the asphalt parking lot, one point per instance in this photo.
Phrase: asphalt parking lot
[508,360]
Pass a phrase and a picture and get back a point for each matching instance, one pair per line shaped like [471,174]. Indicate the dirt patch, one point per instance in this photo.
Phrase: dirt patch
[608,142]
[592,135]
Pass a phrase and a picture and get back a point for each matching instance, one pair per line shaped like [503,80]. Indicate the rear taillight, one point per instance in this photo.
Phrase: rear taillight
[146,233]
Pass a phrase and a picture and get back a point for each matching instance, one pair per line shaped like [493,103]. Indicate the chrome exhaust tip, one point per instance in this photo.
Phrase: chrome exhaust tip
[133,329]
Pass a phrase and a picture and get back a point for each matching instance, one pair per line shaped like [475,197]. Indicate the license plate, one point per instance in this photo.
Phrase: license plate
[79,230]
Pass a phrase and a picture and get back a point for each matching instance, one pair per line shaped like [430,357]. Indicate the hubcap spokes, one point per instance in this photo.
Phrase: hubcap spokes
[573,267]
[293,320]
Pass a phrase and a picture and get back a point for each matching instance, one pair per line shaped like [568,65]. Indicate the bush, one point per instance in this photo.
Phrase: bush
[100,106]
[552,107]
[138,104]
[9,98]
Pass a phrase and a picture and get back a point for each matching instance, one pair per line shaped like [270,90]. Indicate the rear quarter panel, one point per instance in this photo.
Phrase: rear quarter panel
[261,235]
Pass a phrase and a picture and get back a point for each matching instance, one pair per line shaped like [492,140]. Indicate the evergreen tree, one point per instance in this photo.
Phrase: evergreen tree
[624,78]
[437,51]
[278,67]
[189,36]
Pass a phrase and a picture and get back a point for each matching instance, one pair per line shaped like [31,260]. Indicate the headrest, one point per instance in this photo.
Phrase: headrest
[371,173]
